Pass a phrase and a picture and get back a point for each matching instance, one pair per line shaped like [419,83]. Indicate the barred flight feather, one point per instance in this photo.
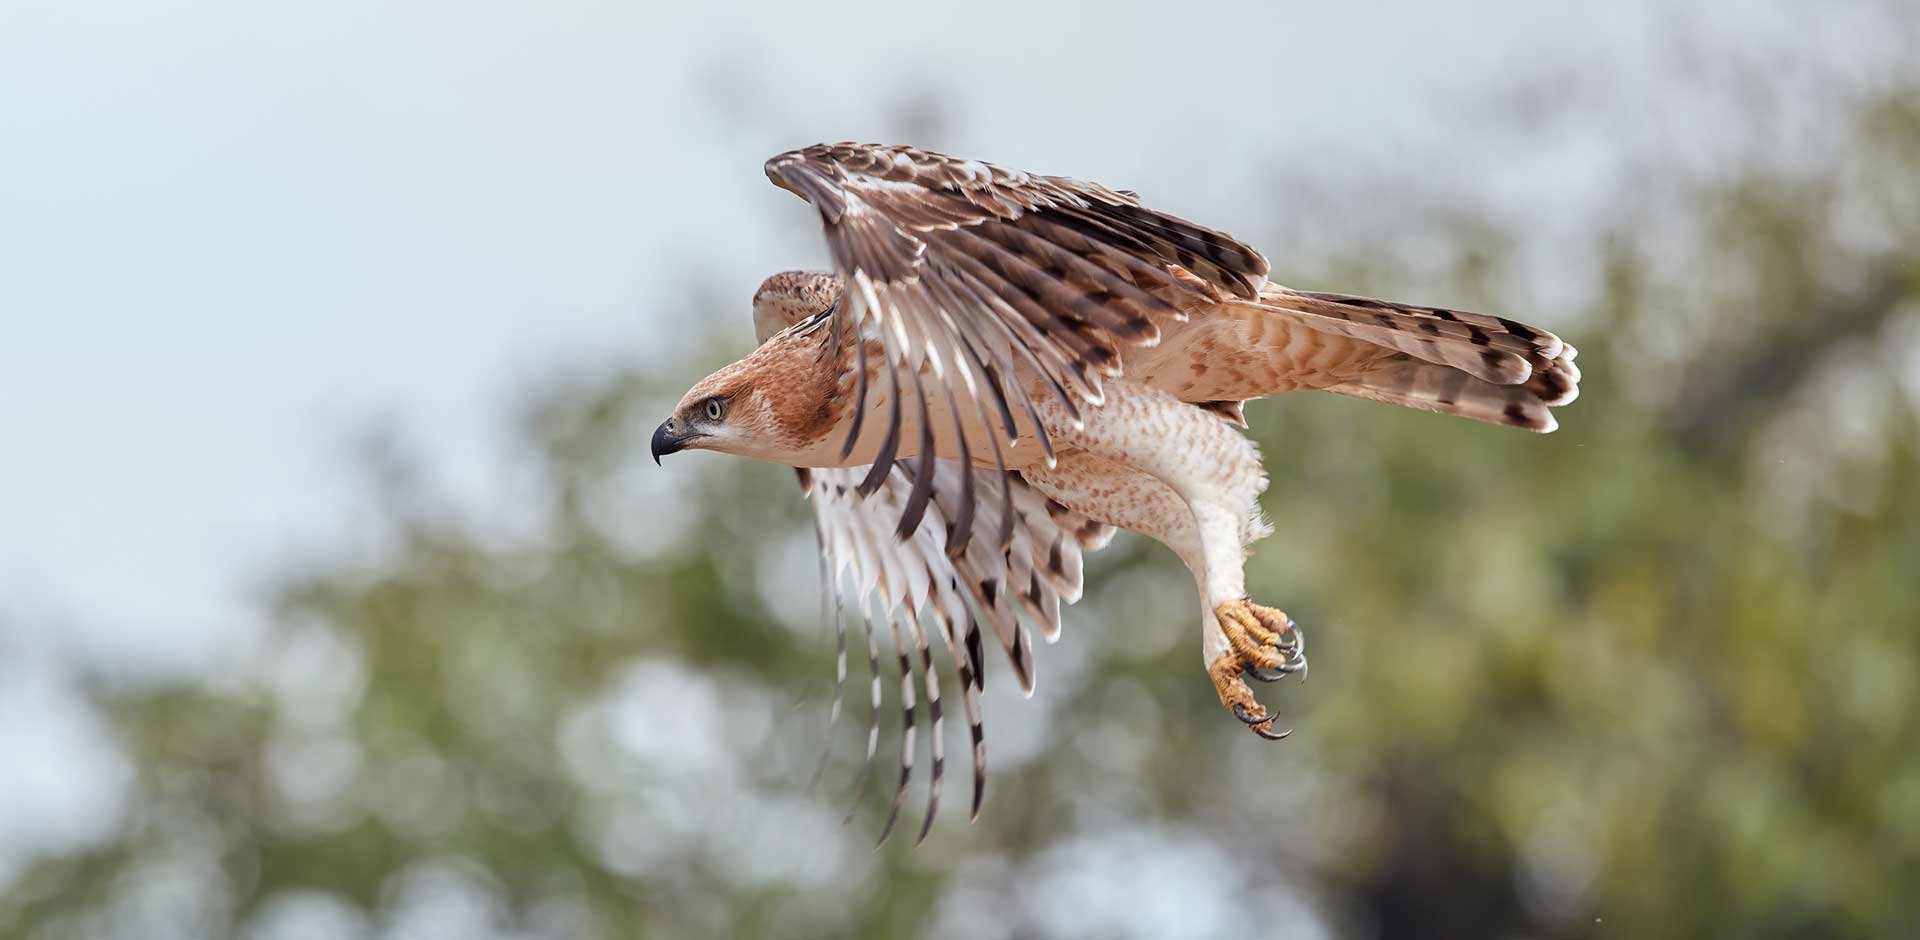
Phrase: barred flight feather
[921,584]
[1501,358]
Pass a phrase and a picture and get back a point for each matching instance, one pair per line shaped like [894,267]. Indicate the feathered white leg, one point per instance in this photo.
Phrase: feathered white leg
[1149,462]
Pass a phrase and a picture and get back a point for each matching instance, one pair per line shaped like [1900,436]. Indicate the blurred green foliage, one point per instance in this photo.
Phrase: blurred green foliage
[1653,675]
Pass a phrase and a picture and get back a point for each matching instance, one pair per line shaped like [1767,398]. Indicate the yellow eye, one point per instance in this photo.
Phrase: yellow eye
[715,408]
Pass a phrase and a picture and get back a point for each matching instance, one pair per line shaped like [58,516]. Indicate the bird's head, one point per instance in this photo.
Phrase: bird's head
[774,405]
[728,411]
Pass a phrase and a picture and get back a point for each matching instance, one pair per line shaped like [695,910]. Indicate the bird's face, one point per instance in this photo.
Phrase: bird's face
[779,402]
[722,412]
[774,405]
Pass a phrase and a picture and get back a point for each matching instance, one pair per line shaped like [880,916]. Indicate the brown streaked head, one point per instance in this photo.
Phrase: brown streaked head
[772,405]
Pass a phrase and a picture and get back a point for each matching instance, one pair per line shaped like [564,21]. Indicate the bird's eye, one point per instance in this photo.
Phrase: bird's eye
[715,408]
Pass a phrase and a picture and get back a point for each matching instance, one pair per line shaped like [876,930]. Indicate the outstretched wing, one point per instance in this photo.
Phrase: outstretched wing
[921,589]
[973,270]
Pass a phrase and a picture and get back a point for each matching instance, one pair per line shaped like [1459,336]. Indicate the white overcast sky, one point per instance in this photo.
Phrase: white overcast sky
[231,233]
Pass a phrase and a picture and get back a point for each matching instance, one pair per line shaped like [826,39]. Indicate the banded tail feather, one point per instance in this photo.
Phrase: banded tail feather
[1493,349]
[1428,386]
[1453,362]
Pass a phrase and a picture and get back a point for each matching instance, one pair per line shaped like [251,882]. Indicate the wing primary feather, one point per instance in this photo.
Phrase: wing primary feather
[935,725]
[1004,537]
[1028,313]
[1065,229]
[977,654]
[1004,318]
[1003,302]
[889,445]
[987,587]
[1098,297]
[977,731]
[859,391]
[991,373]
[1007,514]
[907,727]
[1209,254]
[873,716]
[966,657]
[1069,319]
[839,659]
[1033,417]
[830,594]
[1021,655]
[922,490]
[960,529]
[1000,381]
[953,618]
[999,384]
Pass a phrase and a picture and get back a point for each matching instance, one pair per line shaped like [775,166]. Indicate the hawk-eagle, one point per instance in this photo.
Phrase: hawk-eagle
[1004,367]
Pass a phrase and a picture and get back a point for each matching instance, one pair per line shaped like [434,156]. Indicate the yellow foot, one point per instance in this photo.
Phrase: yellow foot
[1263,643]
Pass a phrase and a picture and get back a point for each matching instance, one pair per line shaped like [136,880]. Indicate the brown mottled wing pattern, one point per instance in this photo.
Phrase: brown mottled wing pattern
[973,269]
[922,587]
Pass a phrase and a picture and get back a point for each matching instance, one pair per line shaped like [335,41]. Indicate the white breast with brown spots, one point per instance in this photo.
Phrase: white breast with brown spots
[1149,462]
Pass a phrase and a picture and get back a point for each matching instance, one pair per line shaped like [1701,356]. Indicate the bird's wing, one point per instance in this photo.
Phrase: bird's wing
[972,270]
[920,586]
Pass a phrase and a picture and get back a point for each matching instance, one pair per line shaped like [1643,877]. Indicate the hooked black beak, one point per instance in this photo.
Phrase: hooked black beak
[666,442]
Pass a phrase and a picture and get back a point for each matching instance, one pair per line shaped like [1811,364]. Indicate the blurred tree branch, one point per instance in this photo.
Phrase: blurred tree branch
[1730,392]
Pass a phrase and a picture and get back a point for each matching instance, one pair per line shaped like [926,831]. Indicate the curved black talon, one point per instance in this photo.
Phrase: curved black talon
[1295,652]
[1266,676]
[1240,712]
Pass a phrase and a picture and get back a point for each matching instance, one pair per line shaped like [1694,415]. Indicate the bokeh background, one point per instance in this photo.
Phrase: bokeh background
[338,598]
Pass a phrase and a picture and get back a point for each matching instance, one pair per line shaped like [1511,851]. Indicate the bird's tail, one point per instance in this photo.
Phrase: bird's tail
[1404,380]
[1447,361]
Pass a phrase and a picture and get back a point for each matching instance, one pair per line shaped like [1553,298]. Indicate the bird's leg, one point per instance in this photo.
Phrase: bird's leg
[1263,638]
[1149,462]
[1262,643]
[1244,639]
[1234,694]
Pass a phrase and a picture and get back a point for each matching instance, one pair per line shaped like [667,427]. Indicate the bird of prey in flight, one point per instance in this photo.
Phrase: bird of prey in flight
[1005,367]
